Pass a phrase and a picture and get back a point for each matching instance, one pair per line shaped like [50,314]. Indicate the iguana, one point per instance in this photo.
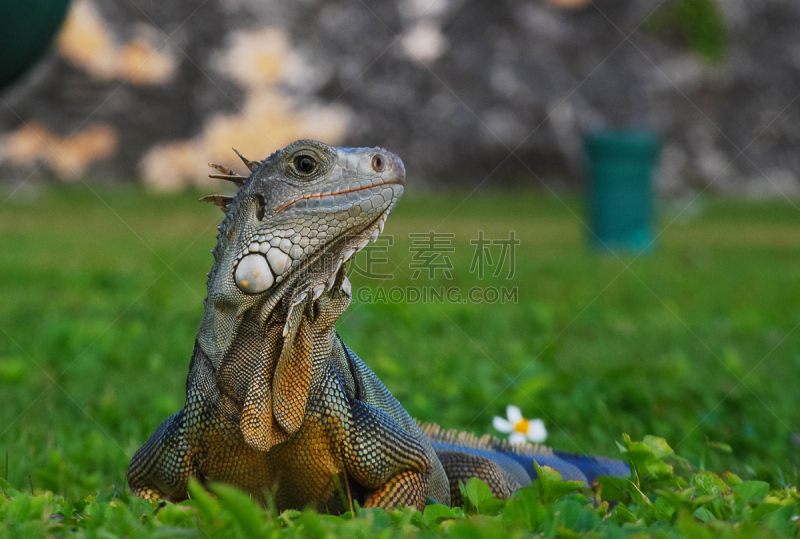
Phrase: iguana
[276,403]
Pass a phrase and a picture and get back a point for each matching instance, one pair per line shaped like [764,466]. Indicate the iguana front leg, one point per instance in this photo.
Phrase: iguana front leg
[385,458]
[161,468]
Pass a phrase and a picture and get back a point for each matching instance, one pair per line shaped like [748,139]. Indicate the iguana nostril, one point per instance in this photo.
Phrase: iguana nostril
[379,163]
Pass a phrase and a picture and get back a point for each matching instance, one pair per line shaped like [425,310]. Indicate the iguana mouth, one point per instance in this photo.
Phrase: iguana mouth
[325,196]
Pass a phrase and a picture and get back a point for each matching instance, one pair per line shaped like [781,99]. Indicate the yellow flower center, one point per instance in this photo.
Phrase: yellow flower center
[522,426]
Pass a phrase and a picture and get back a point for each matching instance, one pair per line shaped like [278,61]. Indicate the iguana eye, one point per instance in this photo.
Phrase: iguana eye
[305,164]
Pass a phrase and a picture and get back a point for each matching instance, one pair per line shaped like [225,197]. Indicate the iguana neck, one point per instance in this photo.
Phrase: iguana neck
[266,329]
[228,320]
[272,356]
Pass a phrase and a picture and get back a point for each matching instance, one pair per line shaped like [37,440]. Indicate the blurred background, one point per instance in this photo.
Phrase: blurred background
[149,91]
[667,130]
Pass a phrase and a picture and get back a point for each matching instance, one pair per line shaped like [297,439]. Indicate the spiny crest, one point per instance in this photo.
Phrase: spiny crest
[232,176]
[227,174]
[223,201]
[252,165]
[435,433]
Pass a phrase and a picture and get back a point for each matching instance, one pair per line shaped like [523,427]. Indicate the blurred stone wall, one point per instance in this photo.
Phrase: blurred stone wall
[152,90]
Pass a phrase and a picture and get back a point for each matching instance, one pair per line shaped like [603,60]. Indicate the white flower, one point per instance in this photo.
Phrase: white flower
[522,430]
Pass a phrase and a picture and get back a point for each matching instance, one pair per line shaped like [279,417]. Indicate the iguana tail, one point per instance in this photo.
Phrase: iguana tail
[505,467]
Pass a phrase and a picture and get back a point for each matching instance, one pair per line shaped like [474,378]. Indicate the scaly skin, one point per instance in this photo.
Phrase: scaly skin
[276,403]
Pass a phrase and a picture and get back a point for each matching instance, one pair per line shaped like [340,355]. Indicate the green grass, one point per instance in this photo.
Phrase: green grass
[101,296]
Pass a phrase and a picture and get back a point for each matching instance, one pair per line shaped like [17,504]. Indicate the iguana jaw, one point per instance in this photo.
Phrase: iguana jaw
[275,255]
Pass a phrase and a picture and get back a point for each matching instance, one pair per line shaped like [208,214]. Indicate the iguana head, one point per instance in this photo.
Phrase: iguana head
[291,227]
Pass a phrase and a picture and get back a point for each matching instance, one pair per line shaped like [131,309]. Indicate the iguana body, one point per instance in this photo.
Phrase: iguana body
[276,403]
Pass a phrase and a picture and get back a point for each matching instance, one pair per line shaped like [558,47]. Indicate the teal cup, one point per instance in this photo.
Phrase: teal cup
[619,199]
